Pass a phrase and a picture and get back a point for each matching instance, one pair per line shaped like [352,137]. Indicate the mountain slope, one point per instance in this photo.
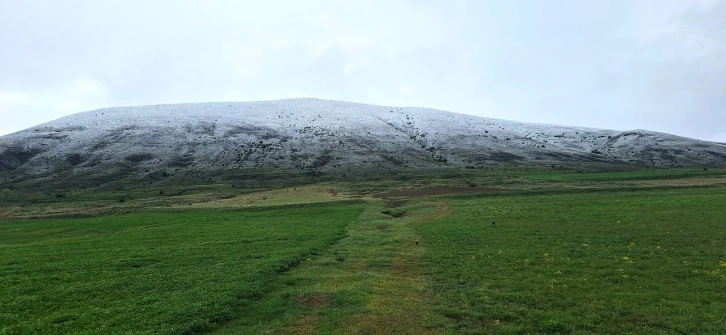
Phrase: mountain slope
[138,143]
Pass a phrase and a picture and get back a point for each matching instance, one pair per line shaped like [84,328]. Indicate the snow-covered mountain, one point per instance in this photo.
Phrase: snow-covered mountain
[320,135]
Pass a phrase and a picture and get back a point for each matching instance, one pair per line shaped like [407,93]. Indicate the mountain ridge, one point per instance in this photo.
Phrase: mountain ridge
[217,138]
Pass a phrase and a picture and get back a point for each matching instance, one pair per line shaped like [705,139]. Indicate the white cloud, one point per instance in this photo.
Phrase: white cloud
[622,64]
[13,99]
[20,110]
[720,137]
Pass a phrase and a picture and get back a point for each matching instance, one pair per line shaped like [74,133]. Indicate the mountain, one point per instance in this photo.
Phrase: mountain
[218,139]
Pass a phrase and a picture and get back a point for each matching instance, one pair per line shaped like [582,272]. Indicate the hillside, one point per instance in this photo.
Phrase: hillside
[314,136]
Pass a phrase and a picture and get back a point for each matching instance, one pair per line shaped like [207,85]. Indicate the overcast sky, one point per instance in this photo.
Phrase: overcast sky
[618,64]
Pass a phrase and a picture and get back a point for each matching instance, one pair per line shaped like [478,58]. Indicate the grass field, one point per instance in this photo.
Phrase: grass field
[154,272]
[581,253]
[628,262]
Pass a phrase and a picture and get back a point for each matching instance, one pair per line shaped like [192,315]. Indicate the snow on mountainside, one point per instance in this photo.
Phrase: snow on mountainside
[131,142]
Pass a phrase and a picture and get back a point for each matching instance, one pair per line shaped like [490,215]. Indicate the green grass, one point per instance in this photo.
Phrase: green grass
[629,175]
[367,283]
[152,272]
[639,252]
[627,262]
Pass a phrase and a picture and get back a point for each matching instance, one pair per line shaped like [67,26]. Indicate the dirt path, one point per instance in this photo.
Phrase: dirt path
[396,304]
[370,282]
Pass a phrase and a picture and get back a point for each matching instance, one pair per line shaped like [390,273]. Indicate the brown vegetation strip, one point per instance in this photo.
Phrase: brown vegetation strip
[434,191]
[307,325]
[316,300]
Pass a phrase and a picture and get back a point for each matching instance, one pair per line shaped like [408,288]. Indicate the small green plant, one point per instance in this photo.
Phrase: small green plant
[555,326]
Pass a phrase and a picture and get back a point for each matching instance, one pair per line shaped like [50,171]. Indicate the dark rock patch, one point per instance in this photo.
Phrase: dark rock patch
[13,158]
[137,158]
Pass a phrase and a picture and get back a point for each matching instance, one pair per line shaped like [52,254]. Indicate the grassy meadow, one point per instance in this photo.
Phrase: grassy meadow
[525,252]
[175,272]
[628,262]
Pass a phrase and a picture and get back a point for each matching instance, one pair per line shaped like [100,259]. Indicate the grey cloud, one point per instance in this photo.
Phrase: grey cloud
[622,64]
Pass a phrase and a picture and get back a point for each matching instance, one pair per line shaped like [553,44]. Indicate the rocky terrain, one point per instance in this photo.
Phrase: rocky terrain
[315,136]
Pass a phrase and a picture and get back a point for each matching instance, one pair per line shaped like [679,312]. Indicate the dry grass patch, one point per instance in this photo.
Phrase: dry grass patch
[285,196]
